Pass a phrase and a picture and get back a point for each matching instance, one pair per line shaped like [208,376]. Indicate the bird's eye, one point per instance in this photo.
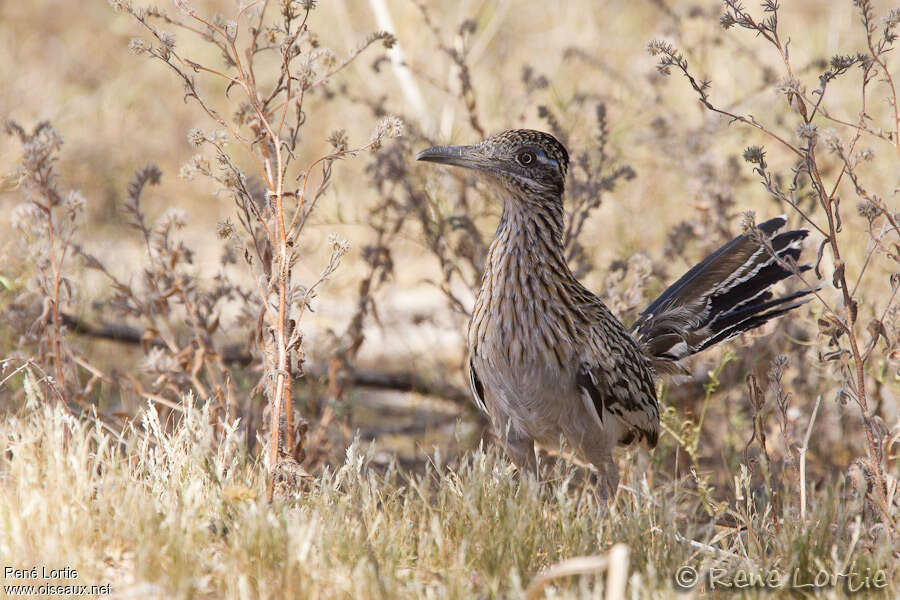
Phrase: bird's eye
[526,158]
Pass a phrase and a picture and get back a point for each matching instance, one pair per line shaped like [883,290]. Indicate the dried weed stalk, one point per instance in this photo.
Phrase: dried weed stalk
[46,222]
[266,124]
[839,323]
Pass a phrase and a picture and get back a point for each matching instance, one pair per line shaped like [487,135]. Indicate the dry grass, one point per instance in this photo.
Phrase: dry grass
[182,514]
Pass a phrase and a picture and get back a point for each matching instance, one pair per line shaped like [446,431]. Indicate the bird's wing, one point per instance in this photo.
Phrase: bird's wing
[477,387]
[620,385]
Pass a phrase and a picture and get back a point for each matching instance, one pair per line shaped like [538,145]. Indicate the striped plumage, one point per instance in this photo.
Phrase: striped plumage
[548,360]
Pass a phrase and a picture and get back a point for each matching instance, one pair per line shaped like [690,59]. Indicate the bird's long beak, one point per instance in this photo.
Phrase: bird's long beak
[460,156]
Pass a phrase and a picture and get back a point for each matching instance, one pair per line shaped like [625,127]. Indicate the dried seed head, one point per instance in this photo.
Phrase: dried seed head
[325,57]
[197,165]
[669,56]
[808,131]
[755,155]
[196,137]
[841,62]
[231,178]
[175,218]
[120,5]
[25,216]
[338,140]
[832,140]
[789,86]
[868,210]
[138,46]
[225,229]
[244,113]
[748,221]
[865,155]
[74,202]
[165,38]
[726,20]
[389,127]
[338,245]
[306,75]
[184,6]
[387,39]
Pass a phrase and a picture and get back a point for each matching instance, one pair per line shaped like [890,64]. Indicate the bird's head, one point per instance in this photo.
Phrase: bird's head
[520,161]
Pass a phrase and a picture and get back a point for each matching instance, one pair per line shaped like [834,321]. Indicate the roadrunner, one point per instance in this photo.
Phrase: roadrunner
[547,359]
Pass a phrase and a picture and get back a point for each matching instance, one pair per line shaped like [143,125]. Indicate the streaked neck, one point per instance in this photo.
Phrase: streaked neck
[532,230]
[525,306]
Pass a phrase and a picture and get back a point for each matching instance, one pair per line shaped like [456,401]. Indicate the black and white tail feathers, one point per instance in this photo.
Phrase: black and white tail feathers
[724,295]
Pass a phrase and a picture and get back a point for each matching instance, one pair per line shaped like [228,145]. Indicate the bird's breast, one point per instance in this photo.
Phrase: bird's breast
[522,316]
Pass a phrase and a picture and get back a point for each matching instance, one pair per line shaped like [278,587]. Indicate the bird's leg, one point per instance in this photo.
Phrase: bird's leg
[609,480]
[551,466]
[520,449]
[607,471]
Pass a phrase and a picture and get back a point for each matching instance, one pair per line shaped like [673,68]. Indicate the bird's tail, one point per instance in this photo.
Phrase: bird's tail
[725,294]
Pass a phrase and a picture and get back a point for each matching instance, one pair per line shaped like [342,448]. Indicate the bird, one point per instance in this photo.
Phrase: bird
[549,362]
